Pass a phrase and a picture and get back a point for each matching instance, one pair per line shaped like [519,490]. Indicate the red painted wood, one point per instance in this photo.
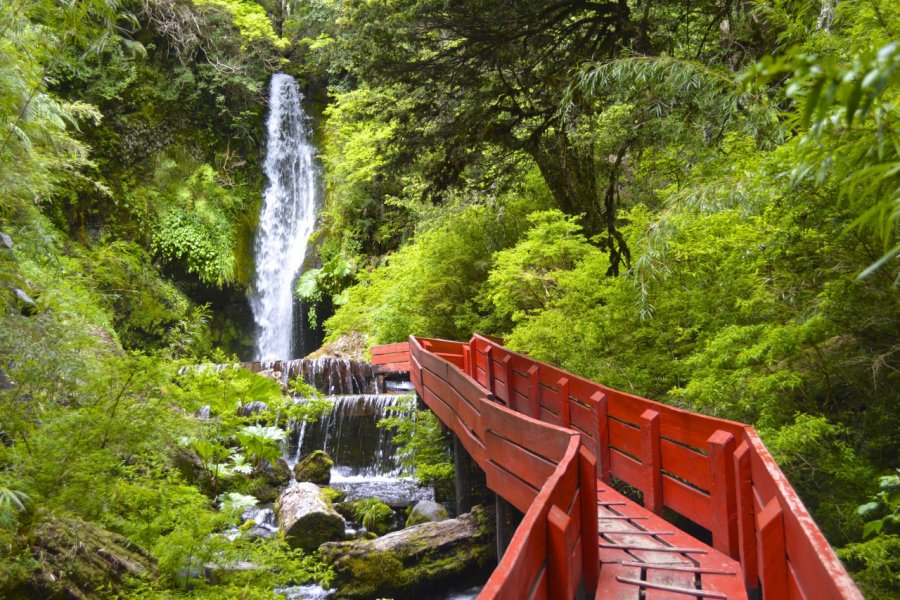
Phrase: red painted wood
[686,464]
[772,557]
[603,471]
[651,461]
[389,348]
[625,438]
[587,475]
[723,493]
[674,460]
[563,387]
[746,519]
[390,357]
[561,577]
[522,463]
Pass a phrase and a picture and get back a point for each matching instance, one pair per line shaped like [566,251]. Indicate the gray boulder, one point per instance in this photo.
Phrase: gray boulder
[411,562]
[426,511]
[6,241]
[306,518]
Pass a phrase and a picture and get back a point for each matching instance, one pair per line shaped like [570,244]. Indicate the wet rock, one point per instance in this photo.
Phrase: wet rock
[315,468]
[266,493]
[275,472]
[413,561]
[426,511]
[5,383]
[203,413]
[251,408]
[351,345]
[26,303]
[76,559]
[6,241]
[306,518]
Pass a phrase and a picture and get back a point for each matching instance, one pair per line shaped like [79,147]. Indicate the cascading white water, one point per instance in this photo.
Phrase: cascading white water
[287,219]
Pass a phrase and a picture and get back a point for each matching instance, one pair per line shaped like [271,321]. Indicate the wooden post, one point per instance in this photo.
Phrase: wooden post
[602,436]
[534,391]
[508,374]
[462,468]
[590,553]
[772,557]
[561,584]
[504,529]
[651,461]
[720,450]
[746,520]
[563,386]
[489,354]
[467,360]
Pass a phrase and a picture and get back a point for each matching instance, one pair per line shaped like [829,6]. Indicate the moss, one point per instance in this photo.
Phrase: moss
[334,496]
[315,468]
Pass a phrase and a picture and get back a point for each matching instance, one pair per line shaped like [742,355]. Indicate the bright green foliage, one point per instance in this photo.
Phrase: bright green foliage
[882,513]
[250,19]
[261,443]
[422,446]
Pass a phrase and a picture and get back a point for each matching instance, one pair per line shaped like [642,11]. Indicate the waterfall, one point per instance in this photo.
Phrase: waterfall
[286,221]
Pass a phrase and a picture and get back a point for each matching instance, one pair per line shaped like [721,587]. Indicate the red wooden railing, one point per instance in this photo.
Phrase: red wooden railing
[544,437]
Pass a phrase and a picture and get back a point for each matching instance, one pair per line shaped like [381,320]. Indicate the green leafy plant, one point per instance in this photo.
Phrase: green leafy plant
[261,443]
[882,513]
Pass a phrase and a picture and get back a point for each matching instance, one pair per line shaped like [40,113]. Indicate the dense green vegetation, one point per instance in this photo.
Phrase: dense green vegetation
[695,202]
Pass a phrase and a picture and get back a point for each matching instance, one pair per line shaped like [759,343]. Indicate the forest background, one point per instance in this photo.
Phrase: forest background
[696,202]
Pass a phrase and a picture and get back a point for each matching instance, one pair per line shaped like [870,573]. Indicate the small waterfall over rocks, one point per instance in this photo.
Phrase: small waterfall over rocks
[332,376]
[287,219]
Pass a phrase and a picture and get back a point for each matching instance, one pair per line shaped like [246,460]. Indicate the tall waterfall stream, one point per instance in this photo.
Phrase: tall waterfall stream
[287,219]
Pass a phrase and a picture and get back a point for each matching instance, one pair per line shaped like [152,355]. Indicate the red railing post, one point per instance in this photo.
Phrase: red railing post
[489,355]
[603,470]
[563,386]
[746,519]
[561,584]
[773,567]
[508,374]
[720,450]
[651,461]
[534,391]
[590,552]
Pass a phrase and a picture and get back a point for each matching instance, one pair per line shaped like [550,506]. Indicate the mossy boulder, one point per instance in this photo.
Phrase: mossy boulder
[373,514]
[275,472]
[426,511]
[81,560]
[315,468]
[414,561]
[306,517]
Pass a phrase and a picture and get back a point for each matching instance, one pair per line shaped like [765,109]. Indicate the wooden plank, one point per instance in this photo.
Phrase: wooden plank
[390,357]
[513,489]
[772,556]
[389,348]
[534,391]
[545,440]
[489,369]
[624,438]
[625,468]
[722,493]
[687,501]
[686,464]
[651,462]
[519,461]
[506,368]
[610,588]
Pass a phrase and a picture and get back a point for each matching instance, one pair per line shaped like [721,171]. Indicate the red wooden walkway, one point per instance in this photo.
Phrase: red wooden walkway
[551,444]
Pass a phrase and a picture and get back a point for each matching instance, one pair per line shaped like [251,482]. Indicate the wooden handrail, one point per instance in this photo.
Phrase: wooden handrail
[513,415]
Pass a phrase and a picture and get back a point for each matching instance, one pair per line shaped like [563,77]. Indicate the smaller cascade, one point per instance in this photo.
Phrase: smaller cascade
[332,376]
[350,435]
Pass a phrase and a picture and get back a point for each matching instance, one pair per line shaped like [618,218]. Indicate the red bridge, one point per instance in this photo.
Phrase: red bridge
[552,444]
